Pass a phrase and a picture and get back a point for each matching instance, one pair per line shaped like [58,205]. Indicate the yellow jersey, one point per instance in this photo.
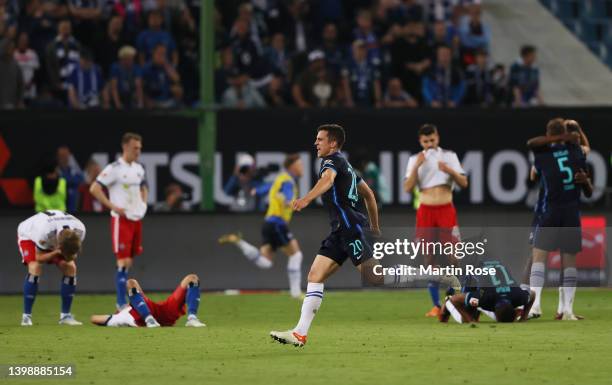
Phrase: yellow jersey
[281,195]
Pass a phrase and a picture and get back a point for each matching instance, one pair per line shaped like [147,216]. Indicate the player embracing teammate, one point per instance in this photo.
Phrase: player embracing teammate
[127,187]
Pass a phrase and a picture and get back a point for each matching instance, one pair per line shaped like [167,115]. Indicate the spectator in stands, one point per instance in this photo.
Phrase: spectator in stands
[478,82]
[410,58]
[474,34]
[361,79]
[316,86]
[9,13]
[126,81]
[499,84]
[396,97]
[62,57]
[222,74]
[443,86]
[86,85]
[107,47]
[39,24]
[161,81]
[335,53]
[86,16]
[278,92]
[174,201]
[444,34]
[256,28]
[242,185]
[277,55]
[246,54]
[87,202]
[70,171]
[404,11]
[189,68]
[242,93]
[11,77]
[153,36]
[365,32]
[131,11]
[525,79]
[27,59]
[299,31]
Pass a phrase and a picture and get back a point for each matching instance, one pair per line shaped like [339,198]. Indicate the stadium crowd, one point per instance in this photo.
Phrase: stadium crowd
[127,54]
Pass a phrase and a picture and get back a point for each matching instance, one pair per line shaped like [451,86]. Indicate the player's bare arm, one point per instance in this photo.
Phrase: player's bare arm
[323,184]
[98,193]
[574,126]
[583,179]
[411,181]
[460,179]
[370,202]
[539,141]
[45,256]
[144,193]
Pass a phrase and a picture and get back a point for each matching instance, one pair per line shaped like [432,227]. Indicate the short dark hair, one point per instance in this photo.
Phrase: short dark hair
[504,311]
[291,159]
[428,129]
[556,126]
[527,50]
[129,136]
[335,132]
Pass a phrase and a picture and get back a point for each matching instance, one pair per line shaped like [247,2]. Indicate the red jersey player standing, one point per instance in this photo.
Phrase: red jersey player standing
[126,184]
[435,171]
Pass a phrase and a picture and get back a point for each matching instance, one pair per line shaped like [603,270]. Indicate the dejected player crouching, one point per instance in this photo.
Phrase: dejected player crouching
[144,312]
[50,237]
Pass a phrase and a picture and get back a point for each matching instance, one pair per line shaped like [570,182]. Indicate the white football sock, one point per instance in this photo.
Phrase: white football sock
[536,281]
[310,306]
[253,255]
[454,312]
[569,289]
[294,272]
[561,304]
[488,313]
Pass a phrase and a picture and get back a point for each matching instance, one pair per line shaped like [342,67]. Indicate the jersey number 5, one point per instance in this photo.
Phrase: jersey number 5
[565,169]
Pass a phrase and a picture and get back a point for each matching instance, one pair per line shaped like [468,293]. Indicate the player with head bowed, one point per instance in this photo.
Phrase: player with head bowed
[127,188]
[50,237]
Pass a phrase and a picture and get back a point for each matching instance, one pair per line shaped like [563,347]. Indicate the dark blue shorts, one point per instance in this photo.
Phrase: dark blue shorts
[275,234]
[341,245]
[559,229]
[535,223]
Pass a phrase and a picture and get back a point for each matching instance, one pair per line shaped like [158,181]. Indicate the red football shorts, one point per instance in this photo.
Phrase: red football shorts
[437,223]
[166,312]
[27,249]
[126,236]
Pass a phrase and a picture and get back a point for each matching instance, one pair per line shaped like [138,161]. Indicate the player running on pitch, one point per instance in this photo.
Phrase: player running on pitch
[435,171]
[561,165]
[144,312]
[50,237]
[275,231]
[340,189]
[495,295]
[127,187]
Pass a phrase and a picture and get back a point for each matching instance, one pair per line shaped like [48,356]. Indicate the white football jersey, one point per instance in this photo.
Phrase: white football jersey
[123,181]
[429,174]
[43,228]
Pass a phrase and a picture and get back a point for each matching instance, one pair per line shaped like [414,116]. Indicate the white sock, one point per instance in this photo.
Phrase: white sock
[310,306]
[488,313]
[561,304]
[454,312]
[569,289]
[253,255]
[536,281]
[294,272]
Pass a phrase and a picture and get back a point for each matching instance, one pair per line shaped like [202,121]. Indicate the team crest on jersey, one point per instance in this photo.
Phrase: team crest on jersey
[328,162]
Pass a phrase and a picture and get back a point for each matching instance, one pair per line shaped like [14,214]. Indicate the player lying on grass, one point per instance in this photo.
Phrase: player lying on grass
[501,307]
[495,295]
[50,237]
[144,312]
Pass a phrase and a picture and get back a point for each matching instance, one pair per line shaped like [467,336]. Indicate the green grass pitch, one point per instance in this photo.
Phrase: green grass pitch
[360,337]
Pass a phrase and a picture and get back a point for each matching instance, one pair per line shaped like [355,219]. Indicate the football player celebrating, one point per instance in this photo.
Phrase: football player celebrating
[50,237]
[126,184]
[144,312]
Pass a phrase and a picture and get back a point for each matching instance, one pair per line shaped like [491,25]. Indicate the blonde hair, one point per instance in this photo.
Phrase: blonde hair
[69,242]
